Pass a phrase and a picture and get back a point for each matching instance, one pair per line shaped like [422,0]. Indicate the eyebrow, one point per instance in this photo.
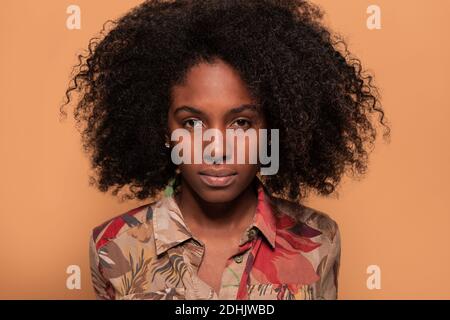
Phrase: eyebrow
[244,107]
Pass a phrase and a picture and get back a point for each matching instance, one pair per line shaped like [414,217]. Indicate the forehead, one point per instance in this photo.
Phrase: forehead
[210,87]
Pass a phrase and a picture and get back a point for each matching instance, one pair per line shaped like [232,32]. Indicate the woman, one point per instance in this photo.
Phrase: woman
[219,230]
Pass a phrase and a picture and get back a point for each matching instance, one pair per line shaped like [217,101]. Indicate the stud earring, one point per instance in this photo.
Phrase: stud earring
[167,143]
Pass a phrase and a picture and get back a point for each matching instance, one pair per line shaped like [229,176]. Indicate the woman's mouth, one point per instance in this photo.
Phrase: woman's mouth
[218,177]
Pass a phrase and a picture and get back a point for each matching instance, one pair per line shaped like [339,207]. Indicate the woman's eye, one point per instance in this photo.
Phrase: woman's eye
[241,123]
[193,123]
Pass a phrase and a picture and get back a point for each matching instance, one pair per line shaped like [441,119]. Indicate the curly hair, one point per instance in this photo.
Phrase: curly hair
[308,84]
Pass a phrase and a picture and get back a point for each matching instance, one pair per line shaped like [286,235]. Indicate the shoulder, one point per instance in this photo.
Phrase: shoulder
[121,223]
[313,218]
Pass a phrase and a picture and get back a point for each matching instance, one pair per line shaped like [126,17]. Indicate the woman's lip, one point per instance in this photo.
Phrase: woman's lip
[218,172]
[216,181]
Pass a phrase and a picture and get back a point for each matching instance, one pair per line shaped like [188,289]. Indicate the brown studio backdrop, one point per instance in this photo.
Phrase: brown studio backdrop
[397,217]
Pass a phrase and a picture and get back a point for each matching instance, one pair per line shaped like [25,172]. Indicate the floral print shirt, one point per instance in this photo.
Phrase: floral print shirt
[290,251]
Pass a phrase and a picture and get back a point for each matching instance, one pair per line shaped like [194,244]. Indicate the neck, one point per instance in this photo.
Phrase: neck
[227,216]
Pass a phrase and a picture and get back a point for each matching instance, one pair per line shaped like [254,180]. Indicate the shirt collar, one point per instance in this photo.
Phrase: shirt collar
[170,228]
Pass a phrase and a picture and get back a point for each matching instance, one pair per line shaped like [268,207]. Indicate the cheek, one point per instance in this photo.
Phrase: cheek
[246,171]
[189,169]
[249,149]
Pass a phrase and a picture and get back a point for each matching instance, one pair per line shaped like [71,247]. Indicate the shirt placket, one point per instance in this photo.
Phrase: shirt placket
[236,265]
[232,274]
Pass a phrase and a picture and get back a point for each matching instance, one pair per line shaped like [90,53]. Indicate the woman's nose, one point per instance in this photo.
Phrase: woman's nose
[217,149]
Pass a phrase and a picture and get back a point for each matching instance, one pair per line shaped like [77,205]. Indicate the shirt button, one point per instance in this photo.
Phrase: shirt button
[239,258]
[252,233]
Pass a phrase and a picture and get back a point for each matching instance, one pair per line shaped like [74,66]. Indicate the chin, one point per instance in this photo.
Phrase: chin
[218,195]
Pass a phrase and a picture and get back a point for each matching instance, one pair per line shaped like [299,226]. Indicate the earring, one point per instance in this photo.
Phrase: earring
[167,143]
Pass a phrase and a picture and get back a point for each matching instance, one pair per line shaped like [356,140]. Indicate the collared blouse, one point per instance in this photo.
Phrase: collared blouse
[290,251]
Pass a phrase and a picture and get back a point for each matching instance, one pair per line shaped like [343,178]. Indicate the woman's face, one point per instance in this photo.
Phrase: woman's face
[215,97]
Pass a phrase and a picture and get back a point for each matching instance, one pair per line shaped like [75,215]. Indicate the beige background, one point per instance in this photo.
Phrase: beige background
[398,217]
